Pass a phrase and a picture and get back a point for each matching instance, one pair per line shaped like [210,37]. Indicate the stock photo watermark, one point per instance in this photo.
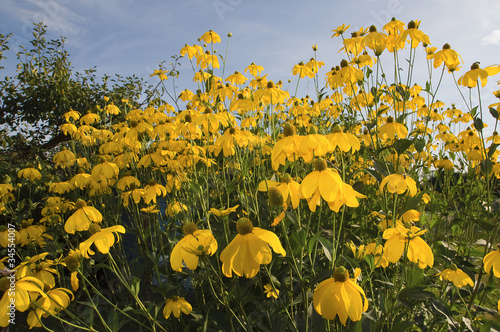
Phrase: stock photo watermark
[224,6]
[9,273]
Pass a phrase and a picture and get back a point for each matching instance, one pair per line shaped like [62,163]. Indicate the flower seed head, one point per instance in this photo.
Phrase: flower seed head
[320,164]
[189,228]
[72,263]
[94,228]
[275,198]
[4,284]
[341,274]
[288,130]
[244,226]
[80,203]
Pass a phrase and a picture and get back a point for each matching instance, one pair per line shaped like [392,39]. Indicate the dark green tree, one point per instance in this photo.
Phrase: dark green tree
[32,103]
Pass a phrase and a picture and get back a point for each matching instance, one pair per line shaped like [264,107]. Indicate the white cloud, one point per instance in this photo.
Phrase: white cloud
[492,38]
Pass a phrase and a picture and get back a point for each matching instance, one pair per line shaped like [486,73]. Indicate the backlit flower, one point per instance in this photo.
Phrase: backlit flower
[102,238]
[271,291]
[56,300]
[250,248]
[195,243]
[289,189]
[175,305]
[226,212]
[399,183]
[27,289]
[29,173]
[457,276]
[450,57]
[80,220]
[492,261]
[416,36]
[400,238]
[64,158]
[475,74]
[391,128]
[340,296]
[210,37]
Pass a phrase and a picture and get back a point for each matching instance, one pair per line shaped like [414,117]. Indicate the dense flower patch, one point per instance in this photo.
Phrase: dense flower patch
[240,205]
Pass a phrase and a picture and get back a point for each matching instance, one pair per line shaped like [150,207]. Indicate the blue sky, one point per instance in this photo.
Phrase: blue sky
[131,37]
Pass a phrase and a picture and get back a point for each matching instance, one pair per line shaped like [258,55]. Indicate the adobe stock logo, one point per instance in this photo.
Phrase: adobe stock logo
[383,16]
[224,6]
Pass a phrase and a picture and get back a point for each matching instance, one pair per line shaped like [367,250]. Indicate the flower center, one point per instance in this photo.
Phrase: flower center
[244,226]
[320,164]
[275,198]
[341,274]
[189,228]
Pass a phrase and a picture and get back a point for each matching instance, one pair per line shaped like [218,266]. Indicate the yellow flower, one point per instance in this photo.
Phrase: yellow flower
[191,50]
[377,250]
[152,190]
[416,36]
[226,212]
[470,78]
[60,187]
[174,208]
[399,183]
[112,109]
[340,30]
[390,129]
[5,239]
[210,37]
[492,261]
[249,249]
[344,141]
[103,239]
[450,58]
[195,243]
[302,70]
[64,158]
[160,73]
[175,305]
[323,181]
[399,237]
[237,78]
[89,118]
[29,173]
[289,189]
[27,290]
[106,169]
[340,296]
[457,276]
[80,220]
[271,291]
[254,69]
[29,232]
[71,114]
[313,145]
[56,300]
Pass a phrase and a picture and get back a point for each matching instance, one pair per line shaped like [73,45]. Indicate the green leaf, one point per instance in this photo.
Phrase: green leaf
[419,144]
[412,203]
[113,321]
[473,111]
[136,286]
[327,247]
[494,112]
[478,124]
[402,145]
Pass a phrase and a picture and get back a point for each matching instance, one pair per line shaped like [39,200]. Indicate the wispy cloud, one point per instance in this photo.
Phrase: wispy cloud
[492,38]
[59,19]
